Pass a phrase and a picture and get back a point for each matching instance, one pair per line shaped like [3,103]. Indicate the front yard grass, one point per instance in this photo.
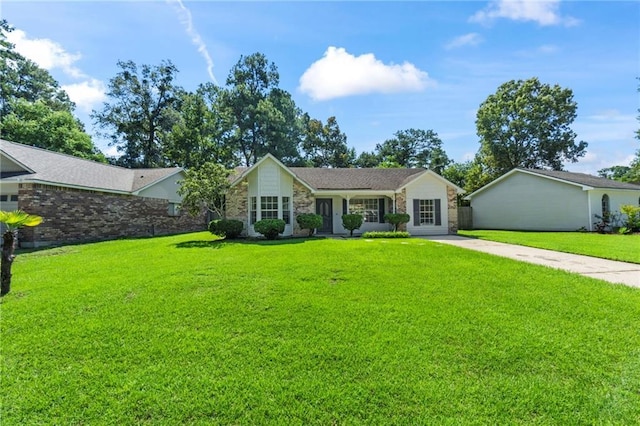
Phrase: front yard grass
[625,248]
[188,330]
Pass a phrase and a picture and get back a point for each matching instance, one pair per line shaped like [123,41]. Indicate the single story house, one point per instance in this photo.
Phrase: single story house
[82,200]
[271,190]
[545,200]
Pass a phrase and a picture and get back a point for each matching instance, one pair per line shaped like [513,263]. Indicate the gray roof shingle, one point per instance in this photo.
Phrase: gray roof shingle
[62,169]
[584,179]
[348,178]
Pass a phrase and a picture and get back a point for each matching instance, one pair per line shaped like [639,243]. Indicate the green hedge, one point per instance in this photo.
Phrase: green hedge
[227,228]
[270,228]
[386,234]
[309,221]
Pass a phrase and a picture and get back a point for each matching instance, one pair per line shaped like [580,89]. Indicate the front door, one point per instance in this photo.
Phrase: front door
[324,207]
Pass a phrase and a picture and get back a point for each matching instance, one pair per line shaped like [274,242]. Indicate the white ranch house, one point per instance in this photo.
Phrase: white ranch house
[271,190]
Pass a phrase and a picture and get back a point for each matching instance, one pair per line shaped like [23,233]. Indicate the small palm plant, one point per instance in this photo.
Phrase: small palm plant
[13,220]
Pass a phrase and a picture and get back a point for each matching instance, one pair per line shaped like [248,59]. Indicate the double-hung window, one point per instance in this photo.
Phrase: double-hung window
[286,210]
[366,207]
[268,207]
[427,212]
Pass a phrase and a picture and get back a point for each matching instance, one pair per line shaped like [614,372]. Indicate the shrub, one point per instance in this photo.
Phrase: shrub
[632,221]
[396,219]
[387,234]
[270,228]
[309,221]
[352,222]
[227,228]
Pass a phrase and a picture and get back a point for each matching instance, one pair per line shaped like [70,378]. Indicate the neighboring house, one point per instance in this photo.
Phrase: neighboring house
[270,190]
[543,200]
[82,200]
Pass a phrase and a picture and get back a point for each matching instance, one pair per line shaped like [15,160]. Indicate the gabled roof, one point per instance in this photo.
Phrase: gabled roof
[347,179]
[584,181]
[43,166]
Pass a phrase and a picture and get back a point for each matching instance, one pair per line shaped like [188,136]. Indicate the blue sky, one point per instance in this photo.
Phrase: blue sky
[379,67]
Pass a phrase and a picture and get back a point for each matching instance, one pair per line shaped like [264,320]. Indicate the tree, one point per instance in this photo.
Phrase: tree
[414,148]
[527,124]
[13,220]
[367,160]
[324,145]
[351,222]
[200,131]
[204,188]
[265,118]
[458,173]
[36,124]
[24,79]
[141,113]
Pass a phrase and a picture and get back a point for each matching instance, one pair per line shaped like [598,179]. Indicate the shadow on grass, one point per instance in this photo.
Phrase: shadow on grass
[218,244]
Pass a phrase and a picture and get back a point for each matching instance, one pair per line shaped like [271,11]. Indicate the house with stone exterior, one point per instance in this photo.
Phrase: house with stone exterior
[271,190]
[82,200]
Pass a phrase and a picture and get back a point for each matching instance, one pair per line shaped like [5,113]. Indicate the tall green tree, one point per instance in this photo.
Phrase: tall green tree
[36,124]
[21,78]
[324,145]
[265,119]
[200,133]
[458,173]
[527,124]
[141,112]
[414,148]
[204,188]
[367,159]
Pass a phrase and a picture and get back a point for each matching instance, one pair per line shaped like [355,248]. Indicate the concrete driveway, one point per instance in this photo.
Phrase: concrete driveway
[607,270]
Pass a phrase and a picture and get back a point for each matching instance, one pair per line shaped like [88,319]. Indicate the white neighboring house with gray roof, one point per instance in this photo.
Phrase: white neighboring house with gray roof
[104,201]
[544,200]
[271,190]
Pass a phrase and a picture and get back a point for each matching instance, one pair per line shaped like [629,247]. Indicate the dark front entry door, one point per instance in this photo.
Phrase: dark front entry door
[324,207]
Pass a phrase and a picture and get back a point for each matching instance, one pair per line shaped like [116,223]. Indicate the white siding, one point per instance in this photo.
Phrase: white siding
[526,202]
[166,189]
[270,180]
[8,189]
[427,187]
[617,198]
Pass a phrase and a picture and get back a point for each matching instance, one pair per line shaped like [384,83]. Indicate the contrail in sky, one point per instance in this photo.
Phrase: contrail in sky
[184,15]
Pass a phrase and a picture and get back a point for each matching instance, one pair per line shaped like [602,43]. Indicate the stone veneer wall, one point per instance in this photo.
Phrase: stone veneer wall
[237,204]
[303,202]
[452,209]
[74,216]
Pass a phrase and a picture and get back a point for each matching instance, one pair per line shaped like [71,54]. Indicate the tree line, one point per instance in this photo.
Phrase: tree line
[154,122]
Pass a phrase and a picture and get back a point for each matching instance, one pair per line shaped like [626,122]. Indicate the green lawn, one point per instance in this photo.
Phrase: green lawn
[607,246]
[187,330]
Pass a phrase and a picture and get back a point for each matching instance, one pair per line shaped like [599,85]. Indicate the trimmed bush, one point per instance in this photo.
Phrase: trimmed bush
[227,228]
[396,219]
[352,222]
[309,221]
[270,228]
[387,234]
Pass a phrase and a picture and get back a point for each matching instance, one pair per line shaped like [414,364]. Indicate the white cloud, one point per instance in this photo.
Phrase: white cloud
[186,19]
[86,94]
[340,74]
[543,12]
[471,39]
[46,53]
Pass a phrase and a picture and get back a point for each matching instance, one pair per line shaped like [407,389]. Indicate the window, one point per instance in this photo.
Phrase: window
[253,209]
[286,210]
[14,197]
[427,212]
[4,198]
[605,206]
[173,209]
[367,207]
[268,207]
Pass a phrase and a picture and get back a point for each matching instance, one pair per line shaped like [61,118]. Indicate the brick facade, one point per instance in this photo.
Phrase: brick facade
[75,216]
[237,204]
[452,209]
[303,202]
